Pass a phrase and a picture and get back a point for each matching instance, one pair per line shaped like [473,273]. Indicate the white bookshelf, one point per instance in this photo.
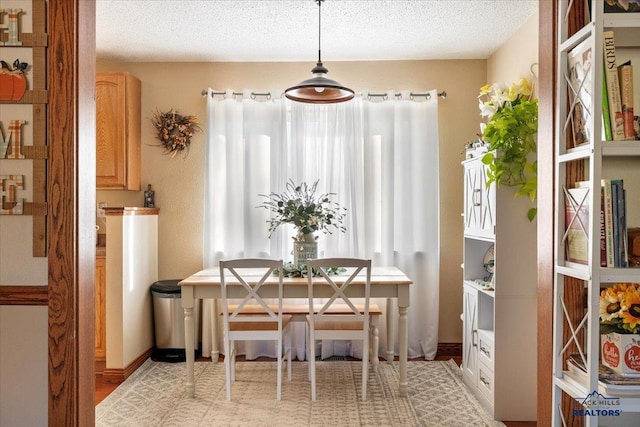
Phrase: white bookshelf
[499,324]
[601,159]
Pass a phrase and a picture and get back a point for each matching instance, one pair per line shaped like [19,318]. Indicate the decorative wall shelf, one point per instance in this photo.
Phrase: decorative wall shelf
[36,96]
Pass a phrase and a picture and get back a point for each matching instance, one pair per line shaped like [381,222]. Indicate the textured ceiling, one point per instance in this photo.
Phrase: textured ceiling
[287,30]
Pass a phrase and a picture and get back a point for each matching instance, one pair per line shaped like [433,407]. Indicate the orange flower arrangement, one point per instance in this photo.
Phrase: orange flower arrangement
[620,309]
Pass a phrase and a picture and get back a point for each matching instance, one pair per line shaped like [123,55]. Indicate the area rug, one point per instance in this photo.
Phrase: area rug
[155,396]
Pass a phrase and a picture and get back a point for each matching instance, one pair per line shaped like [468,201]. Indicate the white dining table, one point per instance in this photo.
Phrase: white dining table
[386,282]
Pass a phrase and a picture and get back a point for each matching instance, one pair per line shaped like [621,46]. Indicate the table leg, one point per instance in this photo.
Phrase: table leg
[390,310]
[187,305]
[403,344]
[374,337]
[215,352]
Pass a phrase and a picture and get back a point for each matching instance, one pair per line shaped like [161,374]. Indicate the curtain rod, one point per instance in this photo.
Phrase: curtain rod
[412,95]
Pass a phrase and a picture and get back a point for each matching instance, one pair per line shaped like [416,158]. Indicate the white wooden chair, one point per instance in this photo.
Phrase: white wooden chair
[339,318]
[252,319]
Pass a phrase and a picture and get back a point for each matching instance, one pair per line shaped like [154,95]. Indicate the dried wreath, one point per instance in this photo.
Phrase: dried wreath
[174,131]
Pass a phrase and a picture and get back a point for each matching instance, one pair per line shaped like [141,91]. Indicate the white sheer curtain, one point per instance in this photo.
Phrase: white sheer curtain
[401,207]
[379,158]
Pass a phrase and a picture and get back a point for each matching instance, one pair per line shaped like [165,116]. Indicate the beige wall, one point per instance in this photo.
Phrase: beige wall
[515,58]
[178,181]
[23,366]
[23,329]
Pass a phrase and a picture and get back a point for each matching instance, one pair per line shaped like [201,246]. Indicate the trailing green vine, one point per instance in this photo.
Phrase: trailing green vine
[511,132]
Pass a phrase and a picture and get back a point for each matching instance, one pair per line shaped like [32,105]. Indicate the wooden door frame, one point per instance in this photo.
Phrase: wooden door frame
[547,13]
[70,220]
[71,211]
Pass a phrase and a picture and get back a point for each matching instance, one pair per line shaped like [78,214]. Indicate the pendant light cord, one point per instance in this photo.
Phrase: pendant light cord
[319,28]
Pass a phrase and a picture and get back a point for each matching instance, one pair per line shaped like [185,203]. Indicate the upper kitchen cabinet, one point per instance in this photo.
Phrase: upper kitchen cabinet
[117,131]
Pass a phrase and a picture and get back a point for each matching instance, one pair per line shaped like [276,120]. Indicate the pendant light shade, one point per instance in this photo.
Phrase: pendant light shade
[319,89]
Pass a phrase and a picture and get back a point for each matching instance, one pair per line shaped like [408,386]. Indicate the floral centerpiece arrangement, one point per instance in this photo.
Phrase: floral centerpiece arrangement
[298,205]
[512,124]
[620,328]
[174,131]
[620,309]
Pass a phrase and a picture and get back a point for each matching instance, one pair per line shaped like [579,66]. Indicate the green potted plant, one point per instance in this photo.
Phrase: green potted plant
[511,131]
[300,206]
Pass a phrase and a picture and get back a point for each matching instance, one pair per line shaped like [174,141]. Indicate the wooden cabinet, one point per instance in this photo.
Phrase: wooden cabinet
[499,311]
[100,308]
[117,131]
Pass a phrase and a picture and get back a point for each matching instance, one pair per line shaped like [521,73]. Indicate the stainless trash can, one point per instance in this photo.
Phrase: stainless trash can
[168,320]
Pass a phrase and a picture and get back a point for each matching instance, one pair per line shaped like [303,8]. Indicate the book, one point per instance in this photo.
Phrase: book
[620,230]
[625,231]
[580,90]
[622,225]
[606,118]
[625,76]
[603,234]
[615,204]
[606,232]
[613,86]
[577,225]
[606,374]
[608,221]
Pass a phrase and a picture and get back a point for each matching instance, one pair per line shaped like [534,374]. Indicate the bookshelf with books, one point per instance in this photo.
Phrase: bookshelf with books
[594,181]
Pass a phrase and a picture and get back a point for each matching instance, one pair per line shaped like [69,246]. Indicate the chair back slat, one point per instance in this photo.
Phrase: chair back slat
[250,275]
[339,292]
[339,285]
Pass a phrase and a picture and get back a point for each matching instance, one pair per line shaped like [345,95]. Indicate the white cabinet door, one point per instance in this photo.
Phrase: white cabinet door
[479,201]
[470,335]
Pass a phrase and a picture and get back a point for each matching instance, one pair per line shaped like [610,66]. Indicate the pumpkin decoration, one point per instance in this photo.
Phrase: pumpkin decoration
[13,82]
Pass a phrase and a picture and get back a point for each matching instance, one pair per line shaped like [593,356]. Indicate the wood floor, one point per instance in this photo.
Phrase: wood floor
[103,389]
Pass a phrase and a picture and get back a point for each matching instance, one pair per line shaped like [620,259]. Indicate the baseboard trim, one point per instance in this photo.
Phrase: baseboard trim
[449,349]
[100,367]
[116,376]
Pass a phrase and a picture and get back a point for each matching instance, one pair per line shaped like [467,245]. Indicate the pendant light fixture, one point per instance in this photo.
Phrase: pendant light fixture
[319,89]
